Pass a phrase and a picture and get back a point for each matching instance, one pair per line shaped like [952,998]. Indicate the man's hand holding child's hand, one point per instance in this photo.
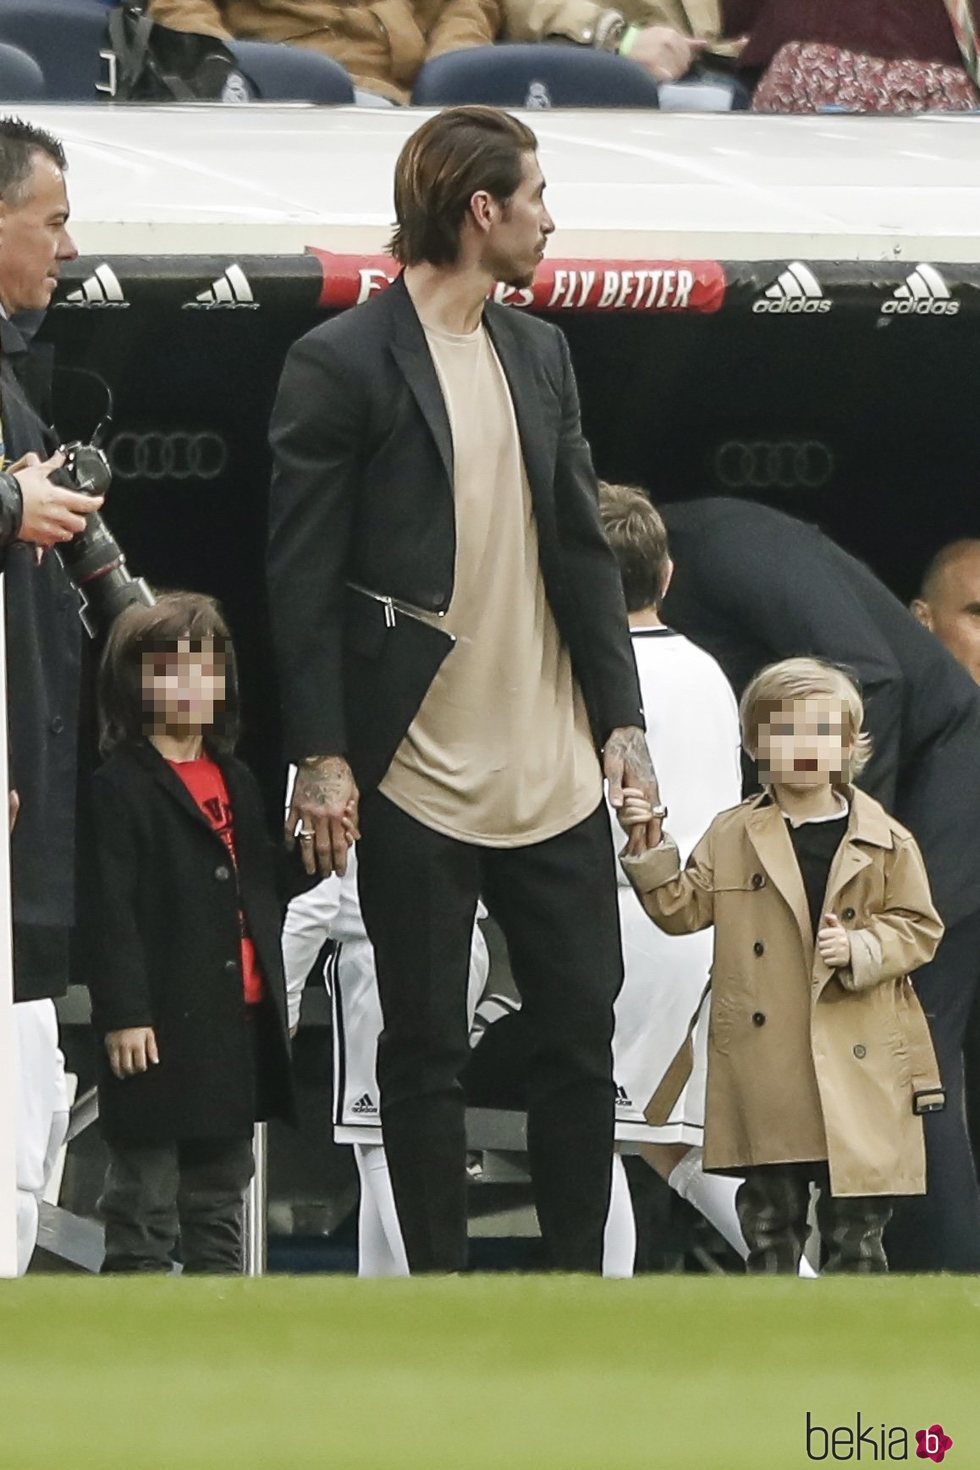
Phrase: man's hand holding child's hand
[636,818]
[834,943]
[131,1050]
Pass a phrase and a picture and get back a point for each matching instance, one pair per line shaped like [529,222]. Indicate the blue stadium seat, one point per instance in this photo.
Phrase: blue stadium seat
[21,79]
[64,37]
[291,74]
[534,76]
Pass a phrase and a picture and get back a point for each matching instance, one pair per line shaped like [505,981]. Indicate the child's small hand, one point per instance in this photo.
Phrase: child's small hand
[349,819]
[834,943]
[131,1050]
[636,818]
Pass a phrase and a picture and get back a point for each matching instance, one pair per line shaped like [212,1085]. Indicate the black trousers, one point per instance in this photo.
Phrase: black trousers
[772,1204]
[555,902]
[940,1230]
[192,1192]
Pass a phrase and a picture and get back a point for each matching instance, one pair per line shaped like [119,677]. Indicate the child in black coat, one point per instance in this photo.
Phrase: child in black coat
[188,992]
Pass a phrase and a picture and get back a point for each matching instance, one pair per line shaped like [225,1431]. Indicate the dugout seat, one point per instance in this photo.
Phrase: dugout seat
[292,74]
[534,76]
[64,37]
[21,79]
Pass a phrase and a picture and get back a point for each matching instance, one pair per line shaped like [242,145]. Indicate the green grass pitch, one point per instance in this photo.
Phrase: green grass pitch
[479,1373]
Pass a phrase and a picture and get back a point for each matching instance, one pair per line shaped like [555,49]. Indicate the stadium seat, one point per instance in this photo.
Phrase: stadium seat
[21,79]
[64,37]
[534,76]
[291,74]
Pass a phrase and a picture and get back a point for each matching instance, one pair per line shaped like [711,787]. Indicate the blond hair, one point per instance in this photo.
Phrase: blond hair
[635,530]
[806,678]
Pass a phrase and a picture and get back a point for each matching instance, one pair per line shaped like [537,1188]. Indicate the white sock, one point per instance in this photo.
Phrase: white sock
[381,1251]
[619,1242]
[713,1195]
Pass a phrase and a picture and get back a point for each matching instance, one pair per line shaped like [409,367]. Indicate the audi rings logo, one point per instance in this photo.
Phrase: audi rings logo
[764,464]
[172,456]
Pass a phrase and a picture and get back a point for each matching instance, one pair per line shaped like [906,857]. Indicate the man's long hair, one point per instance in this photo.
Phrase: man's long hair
[445,162]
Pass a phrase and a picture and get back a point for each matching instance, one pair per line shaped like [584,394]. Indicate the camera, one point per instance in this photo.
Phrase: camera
[93,559]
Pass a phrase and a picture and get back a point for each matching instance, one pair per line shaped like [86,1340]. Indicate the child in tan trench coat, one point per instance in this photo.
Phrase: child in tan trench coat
[820,1061]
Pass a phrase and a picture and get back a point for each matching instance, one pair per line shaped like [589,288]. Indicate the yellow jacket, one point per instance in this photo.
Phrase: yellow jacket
[381,43]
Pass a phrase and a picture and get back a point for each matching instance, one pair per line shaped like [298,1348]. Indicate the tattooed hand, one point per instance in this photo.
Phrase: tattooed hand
[626,762]
[325,804]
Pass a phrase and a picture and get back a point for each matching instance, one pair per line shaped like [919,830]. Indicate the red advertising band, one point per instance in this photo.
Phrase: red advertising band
[646,287]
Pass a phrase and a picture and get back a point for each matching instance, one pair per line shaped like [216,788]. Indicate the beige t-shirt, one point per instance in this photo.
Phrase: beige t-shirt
[500,752]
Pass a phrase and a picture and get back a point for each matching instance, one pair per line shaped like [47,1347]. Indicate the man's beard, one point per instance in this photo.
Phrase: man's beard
[507,272]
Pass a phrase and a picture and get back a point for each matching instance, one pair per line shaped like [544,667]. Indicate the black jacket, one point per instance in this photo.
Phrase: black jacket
[43,684]
[166,934]
[752,585]
[362,493]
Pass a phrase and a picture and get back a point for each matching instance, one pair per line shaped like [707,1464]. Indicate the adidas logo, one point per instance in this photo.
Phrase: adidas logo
[795,292]
[923,293]
[364,1107]
[230,292]
[623,1099]
[102,290]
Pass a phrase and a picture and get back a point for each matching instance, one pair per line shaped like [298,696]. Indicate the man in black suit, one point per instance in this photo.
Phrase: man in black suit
[453,653]
[43,646]
[752,585]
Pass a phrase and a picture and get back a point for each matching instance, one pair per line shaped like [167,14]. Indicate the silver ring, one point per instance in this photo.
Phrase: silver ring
[305,835]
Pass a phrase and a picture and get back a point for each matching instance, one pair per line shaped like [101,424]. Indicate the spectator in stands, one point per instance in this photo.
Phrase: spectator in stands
[664,36]
[381,43]
[892,56]
[949,602]
[43,636]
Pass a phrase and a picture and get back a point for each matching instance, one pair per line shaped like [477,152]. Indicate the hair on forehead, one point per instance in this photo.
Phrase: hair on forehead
[139,630]
[19,142]
[945,558]
[796,679]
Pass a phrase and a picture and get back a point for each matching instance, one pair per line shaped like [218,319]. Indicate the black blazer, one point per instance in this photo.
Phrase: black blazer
[752,585]
[44,679]
[362,493]
[167,944]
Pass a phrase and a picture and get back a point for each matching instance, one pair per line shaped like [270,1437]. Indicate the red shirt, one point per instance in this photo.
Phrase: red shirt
[206,785]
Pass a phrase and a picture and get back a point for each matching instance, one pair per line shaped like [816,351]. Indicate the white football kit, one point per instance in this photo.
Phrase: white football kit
[693,735]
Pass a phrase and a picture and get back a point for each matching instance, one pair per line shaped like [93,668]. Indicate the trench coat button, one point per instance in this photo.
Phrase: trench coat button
[758,1019]
[222,873]
[57,725]
[231,967]
[758,947]
[757,880]
[860,1051]
[848,914]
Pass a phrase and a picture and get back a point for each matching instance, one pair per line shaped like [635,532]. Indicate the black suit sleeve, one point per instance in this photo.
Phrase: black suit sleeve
[592,572]
[119,983]
[315,435]
[793,591]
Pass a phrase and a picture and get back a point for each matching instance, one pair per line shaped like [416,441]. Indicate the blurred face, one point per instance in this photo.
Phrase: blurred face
[34,239]
[803,743]
[183,686]
[516,233]
[953,611]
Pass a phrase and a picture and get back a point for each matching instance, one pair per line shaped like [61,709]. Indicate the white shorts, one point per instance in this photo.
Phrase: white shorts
[353,986]
[665,976]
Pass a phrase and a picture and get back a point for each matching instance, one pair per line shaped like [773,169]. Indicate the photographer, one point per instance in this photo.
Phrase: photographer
[43,652]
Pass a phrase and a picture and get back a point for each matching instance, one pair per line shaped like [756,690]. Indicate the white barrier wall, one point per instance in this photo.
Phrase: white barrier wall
[8,1081]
